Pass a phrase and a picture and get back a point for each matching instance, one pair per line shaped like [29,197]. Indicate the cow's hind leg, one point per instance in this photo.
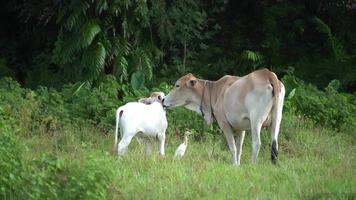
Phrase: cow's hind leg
[239,142]
[256,140]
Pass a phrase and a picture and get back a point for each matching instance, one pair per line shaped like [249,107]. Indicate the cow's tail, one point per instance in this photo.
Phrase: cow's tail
[119,113]
[278,99]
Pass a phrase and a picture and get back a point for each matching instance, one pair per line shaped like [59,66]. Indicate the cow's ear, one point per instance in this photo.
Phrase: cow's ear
[191,83]
[190,76]
[159,97]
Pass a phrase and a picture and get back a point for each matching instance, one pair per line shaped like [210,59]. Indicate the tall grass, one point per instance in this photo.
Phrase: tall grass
[80,164]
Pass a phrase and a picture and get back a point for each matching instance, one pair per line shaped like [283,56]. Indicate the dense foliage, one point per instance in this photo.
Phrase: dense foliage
[328,107]
[52,43]
[52,109]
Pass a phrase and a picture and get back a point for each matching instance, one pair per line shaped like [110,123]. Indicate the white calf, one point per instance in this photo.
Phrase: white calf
[142,120]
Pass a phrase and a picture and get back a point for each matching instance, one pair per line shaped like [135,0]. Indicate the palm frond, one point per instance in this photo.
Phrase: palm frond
[336,47]
[101,5]
[252,56]
[77,10]
[120,68]
[93,60]
[89,30]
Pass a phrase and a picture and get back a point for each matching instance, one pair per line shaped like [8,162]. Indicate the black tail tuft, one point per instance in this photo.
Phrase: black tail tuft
[274,152]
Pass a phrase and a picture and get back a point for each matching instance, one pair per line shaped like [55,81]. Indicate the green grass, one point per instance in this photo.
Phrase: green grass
[314,163]
[56,145]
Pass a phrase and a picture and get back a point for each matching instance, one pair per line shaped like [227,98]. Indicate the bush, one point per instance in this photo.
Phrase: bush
[11,165]
[52,109]
[47,177]
[49,109]
[328,108]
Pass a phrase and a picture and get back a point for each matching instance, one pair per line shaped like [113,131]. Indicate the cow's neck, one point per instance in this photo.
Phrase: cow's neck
[207,100]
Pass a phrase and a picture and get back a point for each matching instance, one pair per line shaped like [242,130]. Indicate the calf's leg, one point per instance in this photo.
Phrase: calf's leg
[161,142]
[148,146]
[123,144]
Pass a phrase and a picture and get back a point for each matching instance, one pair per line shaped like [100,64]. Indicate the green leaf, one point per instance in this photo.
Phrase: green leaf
[334,85]
[252,56]
[120,68]
[291,94]
[94,60]
[89,30]
[137,80]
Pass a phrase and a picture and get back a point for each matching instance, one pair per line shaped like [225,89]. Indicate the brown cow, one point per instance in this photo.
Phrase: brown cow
[237,104]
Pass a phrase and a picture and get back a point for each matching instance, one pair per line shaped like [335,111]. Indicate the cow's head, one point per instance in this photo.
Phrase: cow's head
[186,92]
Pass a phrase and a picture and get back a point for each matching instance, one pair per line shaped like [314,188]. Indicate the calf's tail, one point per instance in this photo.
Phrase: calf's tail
[119,113]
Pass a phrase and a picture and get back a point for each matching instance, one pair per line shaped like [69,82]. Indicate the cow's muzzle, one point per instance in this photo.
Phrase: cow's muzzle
[164,105]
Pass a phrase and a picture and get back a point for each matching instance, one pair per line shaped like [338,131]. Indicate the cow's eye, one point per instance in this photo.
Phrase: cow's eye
[177,86]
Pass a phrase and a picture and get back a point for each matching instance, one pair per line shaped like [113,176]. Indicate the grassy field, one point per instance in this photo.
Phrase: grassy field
[315,163]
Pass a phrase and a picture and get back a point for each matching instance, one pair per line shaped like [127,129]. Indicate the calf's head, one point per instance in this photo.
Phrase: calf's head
[154,97]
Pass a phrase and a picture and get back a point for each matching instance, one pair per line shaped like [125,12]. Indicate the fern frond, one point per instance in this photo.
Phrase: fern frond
[336,47]
[93,60]
[64,49]
[252,56]
[114,33]
[120,68]
[101,5]
[147,66]
[322,27]
[77,10]
[89,30]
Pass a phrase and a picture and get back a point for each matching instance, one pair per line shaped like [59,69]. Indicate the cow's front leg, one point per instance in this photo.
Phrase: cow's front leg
[230,140]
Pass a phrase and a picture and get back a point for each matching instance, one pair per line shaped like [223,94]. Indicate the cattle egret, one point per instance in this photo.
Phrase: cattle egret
[182,147]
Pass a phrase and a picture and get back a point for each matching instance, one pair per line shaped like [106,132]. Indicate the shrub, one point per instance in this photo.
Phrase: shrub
[328,108]
[11,165]
[47,177]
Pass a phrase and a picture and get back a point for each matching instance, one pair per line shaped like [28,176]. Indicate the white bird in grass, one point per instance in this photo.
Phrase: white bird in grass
[182,147]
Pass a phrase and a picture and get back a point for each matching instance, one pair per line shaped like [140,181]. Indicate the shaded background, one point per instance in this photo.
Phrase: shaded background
[56,42]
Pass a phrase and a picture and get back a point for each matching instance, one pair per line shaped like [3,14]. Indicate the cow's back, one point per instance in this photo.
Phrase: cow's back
[248,95]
